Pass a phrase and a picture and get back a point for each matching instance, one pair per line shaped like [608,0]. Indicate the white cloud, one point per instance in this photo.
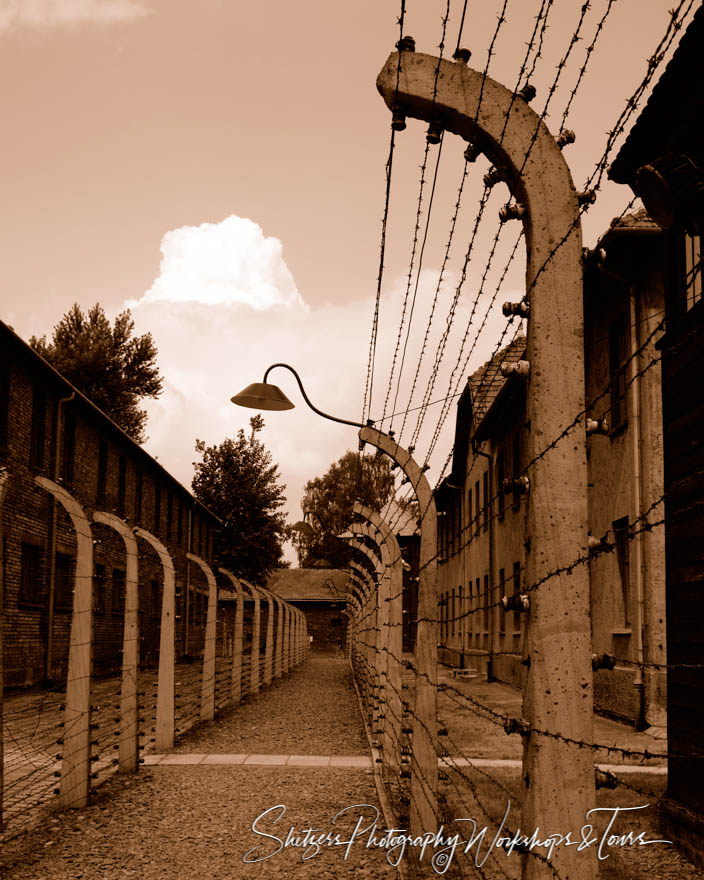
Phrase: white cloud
[45,13]
[225,307]
[227,263]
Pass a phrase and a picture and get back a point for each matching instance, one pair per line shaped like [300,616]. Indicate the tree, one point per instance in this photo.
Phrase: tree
[367,479]
[239,483]
[105,363]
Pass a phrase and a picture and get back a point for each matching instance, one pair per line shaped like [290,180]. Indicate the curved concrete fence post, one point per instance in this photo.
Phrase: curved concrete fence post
[166,687]
[279,663]
[424,757]
[391,555]
[364,590]
[256,636]
[557,648]
[269,644]
[4,480]
[286,639]
[236,683]
[75,766]
[207,700]
[369,629]
[128,761]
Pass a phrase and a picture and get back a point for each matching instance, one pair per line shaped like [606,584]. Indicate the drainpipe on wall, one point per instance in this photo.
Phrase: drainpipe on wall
[490,616]
[634,369]
[52,538]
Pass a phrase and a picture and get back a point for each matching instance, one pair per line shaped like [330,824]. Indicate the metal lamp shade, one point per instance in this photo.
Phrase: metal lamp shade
[303,527]
[262,395]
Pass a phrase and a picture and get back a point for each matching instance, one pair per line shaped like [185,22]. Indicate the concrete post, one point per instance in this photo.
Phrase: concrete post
[269,644]
[166,682]
[129,701]
[557,646]
[207,699]
[424,757]
[75,766]
[390,549]
[369,631]
[256,636]
[236,681]
[279,664]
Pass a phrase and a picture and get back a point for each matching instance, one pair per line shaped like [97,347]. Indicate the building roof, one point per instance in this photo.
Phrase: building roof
[676,102]
[486,382]
[403,521]
[309,584]
[10,340]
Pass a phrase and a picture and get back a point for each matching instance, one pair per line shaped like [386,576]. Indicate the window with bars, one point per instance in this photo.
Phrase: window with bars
[485,523]
[478,506]
[31,574]
[500,477]
[620,527]
[502,611]
[156,598]
[63,581]
[99,588]
[618,355]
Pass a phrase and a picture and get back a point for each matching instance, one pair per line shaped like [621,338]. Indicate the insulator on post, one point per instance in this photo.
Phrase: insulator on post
[603,661]
[515,368]
[398,123]
[527,93]
[461,55]
[516,602]
[597,426]
[512,211]
[434,133]
[494,175]
[565,137]
[520,308]
[519,484]
[588,197]
[597,544]
[594,256]
[406,44]
[515,725]
[472,153]
[604,779]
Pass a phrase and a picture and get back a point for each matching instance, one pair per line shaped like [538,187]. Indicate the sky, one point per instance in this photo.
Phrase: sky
[219,168]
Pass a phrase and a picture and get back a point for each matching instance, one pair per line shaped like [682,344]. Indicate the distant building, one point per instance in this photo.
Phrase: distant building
[484,533]
[49,428]
[321,594]
[662,161]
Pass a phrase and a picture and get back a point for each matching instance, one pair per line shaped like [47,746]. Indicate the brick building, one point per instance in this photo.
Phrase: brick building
[483,531]
[321,594]
[48,428]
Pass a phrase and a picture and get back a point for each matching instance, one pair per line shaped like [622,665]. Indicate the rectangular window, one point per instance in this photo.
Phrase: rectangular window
[5,374]
[500,477]
[31,583]
[138,492]
[485,603]
[693,269]
[102,487]
[157,510]
[63,581]
[617,373]
[620,527]
[121,484]
[485,523]
[37,437]
[169,516]
[68,448]
[99,588]
[516,591]
[470,513]
[118,590]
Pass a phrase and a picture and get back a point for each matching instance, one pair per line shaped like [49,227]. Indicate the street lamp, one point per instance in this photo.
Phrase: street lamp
[265,395]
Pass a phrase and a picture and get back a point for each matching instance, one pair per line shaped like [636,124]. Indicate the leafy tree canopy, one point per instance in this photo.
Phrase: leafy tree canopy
[239,483]
[367,479]
[110,367]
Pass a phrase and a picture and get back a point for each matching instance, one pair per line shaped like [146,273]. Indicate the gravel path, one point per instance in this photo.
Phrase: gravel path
[196,821]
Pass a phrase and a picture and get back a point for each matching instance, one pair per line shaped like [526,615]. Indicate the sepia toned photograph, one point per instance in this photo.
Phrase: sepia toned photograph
[351,458]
